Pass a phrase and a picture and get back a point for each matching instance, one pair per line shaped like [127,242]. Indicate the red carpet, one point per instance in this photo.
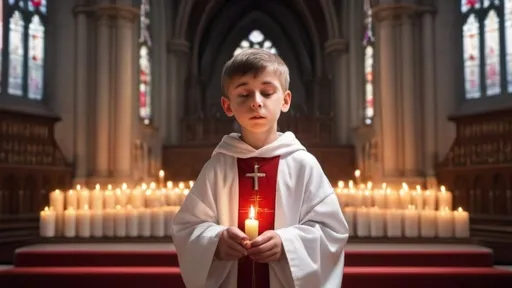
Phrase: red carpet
[132,266]
[168,258]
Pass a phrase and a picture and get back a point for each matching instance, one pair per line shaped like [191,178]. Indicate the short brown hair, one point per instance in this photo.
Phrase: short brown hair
[255,61]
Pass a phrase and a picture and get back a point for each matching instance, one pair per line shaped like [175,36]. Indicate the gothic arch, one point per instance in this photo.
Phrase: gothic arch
[221,50]
[318,17]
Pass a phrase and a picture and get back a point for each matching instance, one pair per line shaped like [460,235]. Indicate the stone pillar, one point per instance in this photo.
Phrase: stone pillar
[429,137]
[410,117]
[356,57]
[336,50]
[178,51]
[387,106]
[125,104]
[103,93]
[82,110]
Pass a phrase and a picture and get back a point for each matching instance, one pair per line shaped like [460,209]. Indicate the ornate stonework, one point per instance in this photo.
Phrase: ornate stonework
[394,12]
[109,11]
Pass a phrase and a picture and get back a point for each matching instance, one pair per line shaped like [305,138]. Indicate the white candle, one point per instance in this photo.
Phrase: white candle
[445,223]
[429,199]
[136,199]
[70,222]
[428,223]
[379,198]
[72,199]
[57,204]
[251,224]
[350,217]
[121,198]
[108,222]
[83,197]
[157,222]
[461,223]
[97,223]
[392,199]
[411,222]
[367,199]
[394,223]
[47,222]
[97,199]
[444,199]
[377,223]
[109,199]
[120,222]
[362,222]
[405,198]
[132,221]
[417,199]
[83,221]
[144,222]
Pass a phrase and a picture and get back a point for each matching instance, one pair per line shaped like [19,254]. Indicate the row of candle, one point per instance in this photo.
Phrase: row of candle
[408,223]
[386,197]
[140,197]
[118,222]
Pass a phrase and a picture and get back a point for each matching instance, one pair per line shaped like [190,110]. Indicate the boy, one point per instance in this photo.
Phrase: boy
[269,178]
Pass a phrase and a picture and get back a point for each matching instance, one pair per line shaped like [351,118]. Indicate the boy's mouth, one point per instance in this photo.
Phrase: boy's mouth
[257,117]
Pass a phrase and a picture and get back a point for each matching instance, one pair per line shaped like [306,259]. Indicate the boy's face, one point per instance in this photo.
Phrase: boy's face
[256,101]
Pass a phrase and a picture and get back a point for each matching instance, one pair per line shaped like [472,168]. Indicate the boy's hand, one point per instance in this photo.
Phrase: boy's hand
[266,248]
[229,247]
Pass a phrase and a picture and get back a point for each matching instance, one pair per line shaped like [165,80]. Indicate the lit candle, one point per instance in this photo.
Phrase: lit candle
[109,198]
[394,223]
[428,223]
[83,197]
[445,223]
[97,199]
[47,222]
[132,221]
[161,176]
[377,223]
[83,222]
[251,225]
[57,204]
[362,222]
[108,222]
[444,199]
[70,222]
[411,222]
[120,222]
[71,199]
[144,222]
[97,223]
[157,222]
[461,223]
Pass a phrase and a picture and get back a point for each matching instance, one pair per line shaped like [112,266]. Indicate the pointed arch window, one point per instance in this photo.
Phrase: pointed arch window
[145,76]
[369,64]
[255,39]
[22,42]
[487,47]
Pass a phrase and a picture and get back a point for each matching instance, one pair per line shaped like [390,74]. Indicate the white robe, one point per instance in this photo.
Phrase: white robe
[308,219]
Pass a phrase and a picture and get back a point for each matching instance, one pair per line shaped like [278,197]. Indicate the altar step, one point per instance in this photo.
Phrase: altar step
[169,277]
[163,255]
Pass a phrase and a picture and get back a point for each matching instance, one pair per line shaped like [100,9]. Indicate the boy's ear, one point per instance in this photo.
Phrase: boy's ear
[226,106]
[287,101]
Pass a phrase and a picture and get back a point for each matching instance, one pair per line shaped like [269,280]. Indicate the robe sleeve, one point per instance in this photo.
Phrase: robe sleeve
[314,247]
[196,234]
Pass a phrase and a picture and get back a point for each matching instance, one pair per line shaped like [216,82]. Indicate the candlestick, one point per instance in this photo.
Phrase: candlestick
[251,225]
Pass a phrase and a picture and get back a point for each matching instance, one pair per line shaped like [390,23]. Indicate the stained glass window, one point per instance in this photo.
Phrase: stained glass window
[256,39]
[36,59]
[145,111]
[508,36]
[23,59]
[368,44]
[487,69]
[492,53]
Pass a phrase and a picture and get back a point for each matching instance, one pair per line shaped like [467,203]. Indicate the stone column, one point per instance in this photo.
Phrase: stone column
[178,51]
[125,104]
[410,117]
[387,106]
[103,134]
[336,50]
[429,137]
[356,57]
[82,111]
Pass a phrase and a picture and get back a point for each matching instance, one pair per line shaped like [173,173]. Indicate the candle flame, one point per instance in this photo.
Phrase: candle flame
[351,184]
[191,184]
[144,186]
[97,186]
[252,213]
[46,208]
[369,185]
[86,207]
[181,185]
[109,187]
[124,186]
[405,186]
[169,184]
[357,173]
[152,185]
[460,209]
[78,187]
[341,184]
[161,173]
[443,189]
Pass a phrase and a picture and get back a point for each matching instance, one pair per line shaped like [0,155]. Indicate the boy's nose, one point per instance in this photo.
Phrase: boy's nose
[257,103]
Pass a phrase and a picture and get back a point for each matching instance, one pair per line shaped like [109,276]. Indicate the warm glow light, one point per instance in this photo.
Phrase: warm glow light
[169,184]
[78,187]
[357,173]
[144,186]
[161,173]
[443,190]
[97,186]
[152,185]
[124,186]
[341,184]
[181,185]
[109,187]
[460,209]
[252,213]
